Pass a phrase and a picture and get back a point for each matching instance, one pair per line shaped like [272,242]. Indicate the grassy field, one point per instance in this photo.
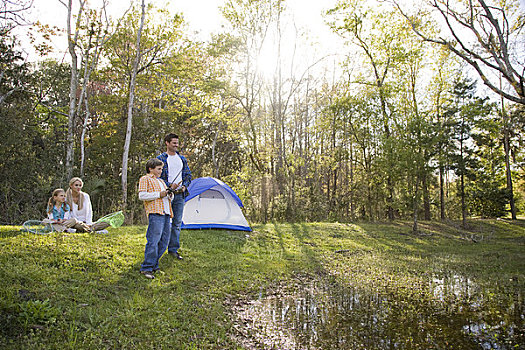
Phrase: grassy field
[84,291]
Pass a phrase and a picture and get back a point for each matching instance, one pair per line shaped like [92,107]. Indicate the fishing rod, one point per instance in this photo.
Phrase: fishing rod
[169,189]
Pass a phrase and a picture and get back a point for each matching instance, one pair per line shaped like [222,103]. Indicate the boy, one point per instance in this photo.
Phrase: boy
[152,190]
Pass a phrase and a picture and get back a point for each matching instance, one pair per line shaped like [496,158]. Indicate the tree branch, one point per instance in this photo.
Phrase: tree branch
[497,51]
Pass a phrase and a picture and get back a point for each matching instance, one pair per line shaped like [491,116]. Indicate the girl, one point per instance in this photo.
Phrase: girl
[81,209]
[58,212]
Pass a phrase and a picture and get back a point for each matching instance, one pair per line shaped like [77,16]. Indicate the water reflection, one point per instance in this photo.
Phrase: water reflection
[453,313]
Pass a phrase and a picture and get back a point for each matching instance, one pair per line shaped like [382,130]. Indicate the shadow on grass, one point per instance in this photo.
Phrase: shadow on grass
[105,303]
[10,232]
[404,292]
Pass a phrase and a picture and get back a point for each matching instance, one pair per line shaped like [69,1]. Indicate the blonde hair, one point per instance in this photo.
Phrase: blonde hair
[69,194]
[51,201]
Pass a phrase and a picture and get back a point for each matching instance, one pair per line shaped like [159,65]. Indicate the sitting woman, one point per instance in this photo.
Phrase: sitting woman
[81,209]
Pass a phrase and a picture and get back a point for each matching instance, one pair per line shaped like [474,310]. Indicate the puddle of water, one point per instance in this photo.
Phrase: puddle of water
[461,315]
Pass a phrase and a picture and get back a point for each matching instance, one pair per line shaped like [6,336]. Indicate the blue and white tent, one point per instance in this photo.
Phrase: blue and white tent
[213,204]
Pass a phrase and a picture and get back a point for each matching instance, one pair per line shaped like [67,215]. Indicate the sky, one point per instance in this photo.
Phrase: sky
[202,16]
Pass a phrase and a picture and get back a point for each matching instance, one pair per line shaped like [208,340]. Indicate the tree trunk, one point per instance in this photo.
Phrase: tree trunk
[127,143]
[415,228]
[264,199]
[506,146]
[83,136]
[462,184]
[278,113]
[389,182]
[213,148]
[463,204]
[440,158]
[441,194]
[88,67]
[351,183]
[72,44]
[426,198]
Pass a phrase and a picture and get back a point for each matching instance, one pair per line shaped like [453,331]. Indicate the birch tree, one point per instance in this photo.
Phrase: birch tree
[127,142]
[98,34]
[73,31]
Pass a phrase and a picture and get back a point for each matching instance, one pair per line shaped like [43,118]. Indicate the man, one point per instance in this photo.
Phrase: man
[177,176]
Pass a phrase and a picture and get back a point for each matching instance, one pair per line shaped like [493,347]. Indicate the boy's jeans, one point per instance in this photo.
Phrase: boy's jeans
[157,236]
[177,205]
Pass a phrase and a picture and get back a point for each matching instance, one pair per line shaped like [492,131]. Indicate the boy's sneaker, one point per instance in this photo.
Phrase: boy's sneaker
[102,232]
[148,274]
[70,230]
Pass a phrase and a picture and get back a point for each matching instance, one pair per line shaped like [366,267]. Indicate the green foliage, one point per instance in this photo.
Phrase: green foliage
[26,315]
[8,317]
[37,312]
[488,200]
[368,144]
[30,144]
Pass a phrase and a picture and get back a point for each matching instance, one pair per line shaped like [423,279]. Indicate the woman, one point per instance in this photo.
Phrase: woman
[80,205]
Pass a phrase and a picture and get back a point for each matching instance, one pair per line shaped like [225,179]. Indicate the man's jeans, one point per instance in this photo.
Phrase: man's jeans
[157,236]
[177,205]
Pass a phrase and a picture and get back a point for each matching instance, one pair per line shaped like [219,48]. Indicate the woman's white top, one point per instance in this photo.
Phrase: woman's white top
[86,213]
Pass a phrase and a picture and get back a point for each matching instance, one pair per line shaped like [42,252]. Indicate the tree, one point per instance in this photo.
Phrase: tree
[87,35]
[440,88]
[487,36]
[250,21]
[374,34]
[72,39]
[136,62]
[506,145]
[469,116]
[12,68]
[517,152]
[486,192]
[12,13]
[98,34]
[412,125]
[31,145]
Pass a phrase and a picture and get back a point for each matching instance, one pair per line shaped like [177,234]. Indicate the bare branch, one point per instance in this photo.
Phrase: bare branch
[492,56]
[11,11]
[54,110]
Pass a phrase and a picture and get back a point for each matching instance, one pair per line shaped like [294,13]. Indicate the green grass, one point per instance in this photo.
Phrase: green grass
[84,290]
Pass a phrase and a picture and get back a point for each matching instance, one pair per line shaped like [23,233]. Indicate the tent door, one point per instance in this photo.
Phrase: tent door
[213,203]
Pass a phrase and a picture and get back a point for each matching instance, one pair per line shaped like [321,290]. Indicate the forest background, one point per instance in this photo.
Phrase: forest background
[420,115]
